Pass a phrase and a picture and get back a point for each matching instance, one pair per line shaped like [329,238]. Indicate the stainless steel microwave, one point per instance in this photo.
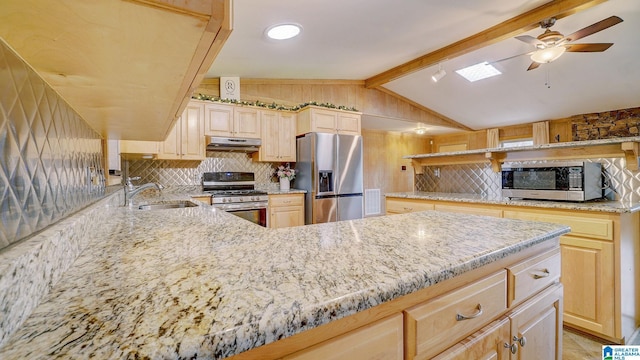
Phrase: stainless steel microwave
[570,181]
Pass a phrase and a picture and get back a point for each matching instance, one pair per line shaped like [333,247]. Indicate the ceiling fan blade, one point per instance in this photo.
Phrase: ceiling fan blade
[594,28]
[529,39]
[534,65]
[511,57]
[588,47]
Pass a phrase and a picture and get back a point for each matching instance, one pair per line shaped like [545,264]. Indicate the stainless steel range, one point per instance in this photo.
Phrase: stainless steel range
[235,193]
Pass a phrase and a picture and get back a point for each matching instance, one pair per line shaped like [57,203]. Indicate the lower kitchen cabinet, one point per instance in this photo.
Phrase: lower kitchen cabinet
[204,198]
[532,331]
[402,206]
[465,317]
[600,264]
[286,210]
[380,340]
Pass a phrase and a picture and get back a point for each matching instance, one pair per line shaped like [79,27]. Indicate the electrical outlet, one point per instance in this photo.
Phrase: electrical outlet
[436,172]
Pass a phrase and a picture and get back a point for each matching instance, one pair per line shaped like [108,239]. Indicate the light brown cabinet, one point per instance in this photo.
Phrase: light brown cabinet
[286,210]
[380,340]
[532,331]
[232,121]
[316,119]
[186,139]
[599,267]
[133,148]
[278,137]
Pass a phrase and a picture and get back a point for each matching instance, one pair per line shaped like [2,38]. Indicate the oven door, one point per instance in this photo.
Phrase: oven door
[256,212]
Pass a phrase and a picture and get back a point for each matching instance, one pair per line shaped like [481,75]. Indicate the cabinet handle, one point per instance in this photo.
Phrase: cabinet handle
[286,201]
[408,209]
[513,347]
[545,273]
[522,340]
[460,317]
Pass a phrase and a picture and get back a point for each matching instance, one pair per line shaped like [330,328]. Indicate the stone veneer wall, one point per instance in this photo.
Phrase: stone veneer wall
[50,159]
[605,125]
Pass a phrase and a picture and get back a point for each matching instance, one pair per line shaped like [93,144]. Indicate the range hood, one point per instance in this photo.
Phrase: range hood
[219,143]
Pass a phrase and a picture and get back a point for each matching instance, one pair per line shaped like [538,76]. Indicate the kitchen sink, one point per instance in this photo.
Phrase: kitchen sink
[167,205]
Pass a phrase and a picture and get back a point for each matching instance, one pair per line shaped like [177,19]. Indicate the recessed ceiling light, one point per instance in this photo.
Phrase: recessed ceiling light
[478,71]
[283,31]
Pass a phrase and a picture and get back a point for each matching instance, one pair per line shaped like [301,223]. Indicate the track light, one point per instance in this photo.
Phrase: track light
[438,74]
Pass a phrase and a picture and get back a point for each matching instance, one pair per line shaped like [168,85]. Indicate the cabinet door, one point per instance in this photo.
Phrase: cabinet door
[287,138]
[192,145]
[324,121]
[270,136]
[218,120]
[348,124]
[379,340]
[246,122]
[588,278]
[286,210]
[170,147]
[536,326]
[487,344]
[286,217]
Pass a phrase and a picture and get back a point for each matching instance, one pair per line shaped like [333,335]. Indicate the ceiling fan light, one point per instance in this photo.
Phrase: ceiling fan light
[438,75]
[548,55]
[421,131]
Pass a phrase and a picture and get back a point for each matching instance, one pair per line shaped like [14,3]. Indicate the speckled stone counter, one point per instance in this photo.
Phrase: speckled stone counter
[602,206]
[198,282]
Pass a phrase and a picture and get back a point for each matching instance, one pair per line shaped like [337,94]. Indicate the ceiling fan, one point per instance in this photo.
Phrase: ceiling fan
[550,45]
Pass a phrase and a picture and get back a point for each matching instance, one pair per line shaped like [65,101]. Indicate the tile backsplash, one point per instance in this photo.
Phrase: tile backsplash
[50,158]
[176,173]
[480,179]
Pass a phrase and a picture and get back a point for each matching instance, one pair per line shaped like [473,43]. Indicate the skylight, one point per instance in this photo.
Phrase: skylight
[478,71]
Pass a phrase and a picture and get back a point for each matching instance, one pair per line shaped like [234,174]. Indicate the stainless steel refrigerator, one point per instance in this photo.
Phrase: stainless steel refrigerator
[330,170]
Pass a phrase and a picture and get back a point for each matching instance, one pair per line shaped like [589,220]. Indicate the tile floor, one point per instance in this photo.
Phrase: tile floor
[576,346]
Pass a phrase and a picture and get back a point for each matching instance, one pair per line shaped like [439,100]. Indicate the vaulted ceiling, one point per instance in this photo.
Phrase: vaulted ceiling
[399,45]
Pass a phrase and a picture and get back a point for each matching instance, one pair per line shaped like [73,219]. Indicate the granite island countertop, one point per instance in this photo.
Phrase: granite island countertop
[595,205]
[199,282]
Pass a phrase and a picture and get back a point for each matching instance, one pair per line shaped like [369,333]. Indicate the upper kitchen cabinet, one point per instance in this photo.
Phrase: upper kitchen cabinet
[118,63]
[315,119]
[186,139]
[232,121]
[132,149]
[278,137]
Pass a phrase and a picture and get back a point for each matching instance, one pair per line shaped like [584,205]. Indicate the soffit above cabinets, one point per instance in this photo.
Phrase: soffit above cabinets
[127,67]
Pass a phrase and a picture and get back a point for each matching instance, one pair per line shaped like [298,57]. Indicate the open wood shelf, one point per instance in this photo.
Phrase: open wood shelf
[626,148]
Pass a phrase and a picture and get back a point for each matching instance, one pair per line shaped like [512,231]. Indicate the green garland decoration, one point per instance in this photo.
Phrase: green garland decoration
[272,106]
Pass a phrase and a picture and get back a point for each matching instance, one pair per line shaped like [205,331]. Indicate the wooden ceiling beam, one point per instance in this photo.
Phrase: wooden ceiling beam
[507,29]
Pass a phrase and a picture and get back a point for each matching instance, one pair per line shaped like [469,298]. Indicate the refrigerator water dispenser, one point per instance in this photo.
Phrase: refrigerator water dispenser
[326,181]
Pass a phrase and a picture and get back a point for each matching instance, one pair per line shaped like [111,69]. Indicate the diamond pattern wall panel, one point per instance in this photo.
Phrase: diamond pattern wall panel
[177,173]
[480,179]
[48,153]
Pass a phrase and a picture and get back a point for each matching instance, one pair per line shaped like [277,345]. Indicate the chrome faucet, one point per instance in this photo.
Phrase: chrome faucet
[131,190]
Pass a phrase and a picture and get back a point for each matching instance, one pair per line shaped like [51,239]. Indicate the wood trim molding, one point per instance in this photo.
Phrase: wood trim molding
[216,33]
[507,29]
[199,9]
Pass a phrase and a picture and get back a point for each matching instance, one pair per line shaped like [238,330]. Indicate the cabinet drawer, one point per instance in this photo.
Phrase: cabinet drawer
[286,200]
[433,326]
[396,206]
[380,340]
[469,210]
[580,225]
[530,276]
